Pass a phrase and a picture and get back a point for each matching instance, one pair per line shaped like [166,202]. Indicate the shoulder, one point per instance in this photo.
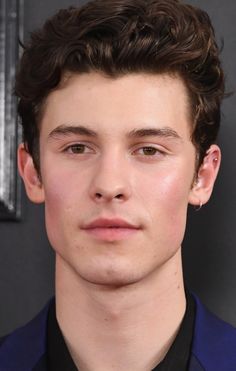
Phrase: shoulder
[24,348]
[214,341]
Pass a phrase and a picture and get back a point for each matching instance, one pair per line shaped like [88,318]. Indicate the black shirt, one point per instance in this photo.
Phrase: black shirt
[177,358]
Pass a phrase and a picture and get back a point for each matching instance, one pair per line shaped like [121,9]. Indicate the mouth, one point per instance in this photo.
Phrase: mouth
[110,229]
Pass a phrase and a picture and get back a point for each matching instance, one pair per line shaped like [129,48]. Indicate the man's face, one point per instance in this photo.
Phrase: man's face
[117,166]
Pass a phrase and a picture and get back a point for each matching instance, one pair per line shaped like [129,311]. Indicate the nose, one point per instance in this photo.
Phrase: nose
[110,182]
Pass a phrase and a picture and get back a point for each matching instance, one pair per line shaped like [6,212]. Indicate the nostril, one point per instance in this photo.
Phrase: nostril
[98,195]
[119,196]
[107,195]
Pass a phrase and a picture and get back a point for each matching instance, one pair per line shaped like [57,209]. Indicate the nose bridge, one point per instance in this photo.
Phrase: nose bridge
[110,179]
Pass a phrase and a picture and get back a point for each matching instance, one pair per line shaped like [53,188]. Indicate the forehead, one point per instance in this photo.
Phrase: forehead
[118,105]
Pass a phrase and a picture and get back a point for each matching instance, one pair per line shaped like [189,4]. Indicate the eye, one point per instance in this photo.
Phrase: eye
[78,148]
[149,151]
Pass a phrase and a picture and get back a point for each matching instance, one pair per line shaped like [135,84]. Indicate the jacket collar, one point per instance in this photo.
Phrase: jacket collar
[214,342]
[24,348]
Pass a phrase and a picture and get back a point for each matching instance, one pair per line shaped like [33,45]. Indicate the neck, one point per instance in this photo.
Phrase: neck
[133,325]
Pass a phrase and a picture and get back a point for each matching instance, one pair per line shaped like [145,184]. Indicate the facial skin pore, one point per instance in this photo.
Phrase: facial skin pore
[117,169]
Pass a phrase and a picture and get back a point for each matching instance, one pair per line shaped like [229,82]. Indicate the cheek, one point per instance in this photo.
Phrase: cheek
[62,186]
[175,190]
[57,195]
[61,206]
[167,201]
[170,190]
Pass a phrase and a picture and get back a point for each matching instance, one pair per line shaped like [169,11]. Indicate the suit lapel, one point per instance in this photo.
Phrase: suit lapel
[214,342]
[25,348]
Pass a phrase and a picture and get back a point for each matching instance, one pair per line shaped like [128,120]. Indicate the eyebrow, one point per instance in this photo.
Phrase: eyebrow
[165,132]
[66,130]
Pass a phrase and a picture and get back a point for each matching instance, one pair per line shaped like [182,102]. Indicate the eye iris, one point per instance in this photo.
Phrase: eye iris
[149,151]
[77,148]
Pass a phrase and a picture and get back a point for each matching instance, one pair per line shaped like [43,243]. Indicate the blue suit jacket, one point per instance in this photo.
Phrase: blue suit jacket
[213,348]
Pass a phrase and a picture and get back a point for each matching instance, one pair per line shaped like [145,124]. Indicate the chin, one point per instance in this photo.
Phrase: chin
[111,277]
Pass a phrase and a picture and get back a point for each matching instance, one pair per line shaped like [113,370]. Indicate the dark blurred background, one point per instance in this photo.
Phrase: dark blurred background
[209,249]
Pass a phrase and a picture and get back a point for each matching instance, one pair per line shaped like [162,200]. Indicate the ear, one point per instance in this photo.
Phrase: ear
[30,176]
[206,176]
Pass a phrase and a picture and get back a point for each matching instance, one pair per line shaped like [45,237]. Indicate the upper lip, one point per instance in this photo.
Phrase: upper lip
[110,223]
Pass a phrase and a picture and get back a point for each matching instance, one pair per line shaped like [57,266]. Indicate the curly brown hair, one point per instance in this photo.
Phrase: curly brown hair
[118,37]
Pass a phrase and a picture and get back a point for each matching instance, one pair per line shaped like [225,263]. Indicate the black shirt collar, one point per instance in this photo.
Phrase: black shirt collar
[58,356]
[179,353]
[177,358]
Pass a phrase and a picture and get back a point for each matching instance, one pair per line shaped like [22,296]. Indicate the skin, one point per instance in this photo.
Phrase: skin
[118,148]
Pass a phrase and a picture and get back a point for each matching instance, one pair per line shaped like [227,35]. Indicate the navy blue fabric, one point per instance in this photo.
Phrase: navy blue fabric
[23,349]
[213,348]
[214,343]
[2,339]
[194,364]
[41,365]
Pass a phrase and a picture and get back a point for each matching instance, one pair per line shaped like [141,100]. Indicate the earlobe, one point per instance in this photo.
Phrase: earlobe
[32,182]
[203,186]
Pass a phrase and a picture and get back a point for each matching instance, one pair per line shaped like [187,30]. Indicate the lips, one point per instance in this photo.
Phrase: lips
[110,223]
[110,229]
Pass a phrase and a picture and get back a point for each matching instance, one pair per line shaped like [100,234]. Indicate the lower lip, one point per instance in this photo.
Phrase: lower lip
[111,234]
